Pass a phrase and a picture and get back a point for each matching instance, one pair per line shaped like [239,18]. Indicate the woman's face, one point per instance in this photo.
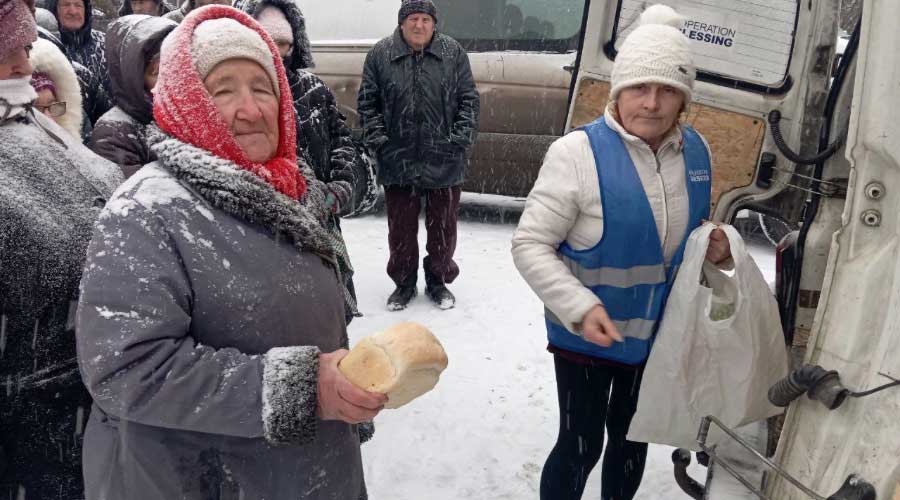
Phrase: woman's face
[44,100]
[245,96]
[151,73]
[16,64]
[649,111]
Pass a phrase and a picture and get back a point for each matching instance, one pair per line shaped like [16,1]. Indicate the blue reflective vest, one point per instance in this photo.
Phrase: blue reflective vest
[627,269]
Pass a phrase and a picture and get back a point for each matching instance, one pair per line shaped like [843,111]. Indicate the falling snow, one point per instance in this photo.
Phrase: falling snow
[487,428]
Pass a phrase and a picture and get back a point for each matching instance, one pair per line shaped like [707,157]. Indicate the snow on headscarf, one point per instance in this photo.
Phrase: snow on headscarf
[184,109]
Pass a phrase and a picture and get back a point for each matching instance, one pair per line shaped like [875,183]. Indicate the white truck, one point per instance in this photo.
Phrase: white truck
[818,146]
[795,136]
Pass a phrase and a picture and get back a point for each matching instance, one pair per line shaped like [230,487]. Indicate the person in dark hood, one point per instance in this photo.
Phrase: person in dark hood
[133,55]
[84,45]
[323,137]
[178,14]
[146,7]
[51,191]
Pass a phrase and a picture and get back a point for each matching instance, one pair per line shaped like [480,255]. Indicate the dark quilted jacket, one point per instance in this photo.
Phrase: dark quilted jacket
[419,111]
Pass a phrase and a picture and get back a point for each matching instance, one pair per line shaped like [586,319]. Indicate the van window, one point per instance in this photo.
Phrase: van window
[527,25]
[349,20]
[738,40]
[480,25]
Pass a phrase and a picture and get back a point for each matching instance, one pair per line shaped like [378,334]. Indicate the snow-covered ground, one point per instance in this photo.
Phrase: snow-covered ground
[485,430]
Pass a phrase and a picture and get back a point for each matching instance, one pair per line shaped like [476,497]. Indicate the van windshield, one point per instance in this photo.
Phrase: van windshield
[480,25]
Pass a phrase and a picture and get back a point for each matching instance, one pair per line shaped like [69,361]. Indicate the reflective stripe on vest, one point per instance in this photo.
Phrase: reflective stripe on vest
[626,269]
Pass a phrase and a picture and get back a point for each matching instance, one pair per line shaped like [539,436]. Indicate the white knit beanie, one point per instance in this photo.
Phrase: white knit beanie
[218,40]
[276,24]
[655,52]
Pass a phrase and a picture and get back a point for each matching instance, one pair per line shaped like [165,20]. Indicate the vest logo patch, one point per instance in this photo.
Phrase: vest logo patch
[699,175]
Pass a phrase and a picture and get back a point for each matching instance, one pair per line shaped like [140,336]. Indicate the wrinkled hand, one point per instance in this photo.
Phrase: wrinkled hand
[719,248]
[341,400]
[598,328]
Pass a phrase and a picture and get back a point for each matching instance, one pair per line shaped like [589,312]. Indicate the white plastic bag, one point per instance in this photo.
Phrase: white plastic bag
[702,366]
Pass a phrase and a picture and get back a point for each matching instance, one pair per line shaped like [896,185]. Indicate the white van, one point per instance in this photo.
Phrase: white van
[823,155]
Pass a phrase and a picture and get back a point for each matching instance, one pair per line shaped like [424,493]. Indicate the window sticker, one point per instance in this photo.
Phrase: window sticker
[748,40]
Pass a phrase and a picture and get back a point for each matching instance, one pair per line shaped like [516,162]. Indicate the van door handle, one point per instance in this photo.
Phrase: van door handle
[569,67]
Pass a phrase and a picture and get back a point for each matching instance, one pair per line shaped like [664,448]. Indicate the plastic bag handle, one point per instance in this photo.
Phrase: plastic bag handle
[698,242]
[738,248]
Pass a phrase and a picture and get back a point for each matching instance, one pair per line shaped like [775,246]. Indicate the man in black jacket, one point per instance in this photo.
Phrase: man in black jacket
[419,110]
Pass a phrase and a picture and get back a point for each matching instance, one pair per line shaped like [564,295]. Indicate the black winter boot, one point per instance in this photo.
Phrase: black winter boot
[401,297]
[442,297]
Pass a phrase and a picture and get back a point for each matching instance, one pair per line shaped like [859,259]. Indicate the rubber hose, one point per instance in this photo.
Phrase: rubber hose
[796,384]
[774,122]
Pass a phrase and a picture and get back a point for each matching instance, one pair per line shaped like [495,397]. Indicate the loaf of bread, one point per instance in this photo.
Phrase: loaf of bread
[404,362]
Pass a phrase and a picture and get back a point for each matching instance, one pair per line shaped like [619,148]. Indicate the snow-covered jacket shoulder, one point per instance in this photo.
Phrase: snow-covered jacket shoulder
[202,332]
[51,190]
[565,206]
[121,139]
[47,58]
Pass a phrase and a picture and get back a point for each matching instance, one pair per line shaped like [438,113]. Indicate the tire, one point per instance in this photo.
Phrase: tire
[774,229]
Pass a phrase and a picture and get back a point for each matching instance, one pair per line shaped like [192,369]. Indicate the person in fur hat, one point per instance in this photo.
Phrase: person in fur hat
[51,191]
[603,269]
[57,87]
[212,314]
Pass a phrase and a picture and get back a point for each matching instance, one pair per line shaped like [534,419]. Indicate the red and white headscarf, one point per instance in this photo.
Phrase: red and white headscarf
[184,109]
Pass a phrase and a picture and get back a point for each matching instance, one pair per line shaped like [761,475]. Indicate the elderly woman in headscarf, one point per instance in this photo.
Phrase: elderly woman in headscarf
[51,191]
[212,313]
[600,241]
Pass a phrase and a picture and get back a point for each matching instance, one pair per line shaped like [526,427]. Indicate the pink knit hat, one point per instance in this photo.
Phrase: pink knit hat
[41,81]
[17,25]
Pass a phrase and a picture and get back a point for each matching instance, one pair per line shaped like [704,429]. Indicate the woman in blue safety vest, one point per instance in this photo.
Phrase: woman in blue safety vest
[600,241]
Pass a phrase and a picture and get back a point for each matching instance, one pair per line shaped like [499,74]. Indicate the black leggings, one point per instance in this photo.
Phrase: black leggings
[590,396]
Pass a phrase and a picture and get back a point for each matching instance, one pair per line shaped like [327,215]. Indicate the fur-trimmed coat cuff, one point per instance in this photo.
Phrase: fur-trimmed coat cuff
[290,395]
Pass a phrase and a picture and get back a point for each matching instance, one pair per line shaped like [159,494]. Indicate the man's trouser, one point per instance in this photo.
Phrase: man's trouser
[403,204]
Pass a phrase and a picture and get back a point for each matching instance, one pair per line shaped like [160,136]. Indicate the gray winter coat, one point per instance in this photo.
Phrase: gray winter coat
[119,135]
[51,191]
[419,112]
[198,336]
